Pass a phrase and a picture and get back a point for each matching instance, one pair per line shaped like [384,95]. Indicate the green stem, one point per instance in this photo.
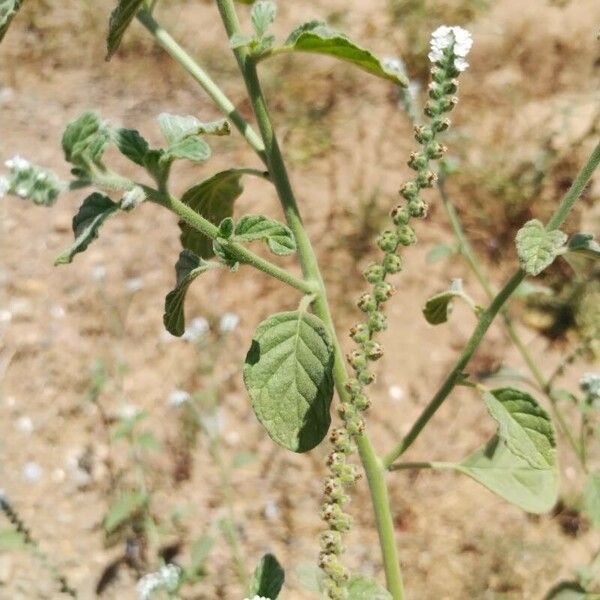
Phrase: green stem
[490,313]
[275,163]
[472,260]
[239,252]
[163,38]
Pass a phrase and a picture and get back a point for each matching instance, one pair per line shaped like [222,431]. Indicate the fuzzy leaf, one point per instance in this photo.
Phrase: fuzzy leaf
[213,199]
[188,267]
[591,498]
[189,148]
[317,37]
[123,509]
[363,588]
[570,590]
[440,252]
[524,425]
[584,243]
[268,578]
[512,478]
[263,14]
[132,145]
[438,308]
[279,238]
[85,140]
[288,374]
[175,128]
[537,248]
[120,19]
[8,11]
[86,224]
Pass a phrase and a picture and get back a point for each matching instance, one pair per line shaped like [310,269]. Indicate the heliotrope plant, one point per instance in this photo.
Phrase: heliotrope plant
[295,361]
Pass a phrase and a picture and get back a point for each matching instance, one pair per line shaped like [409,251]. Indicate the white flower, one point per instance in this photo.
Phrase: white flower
[178,398]
[590,384]
[456,38]
[229,321]
[17,163]
[4,186]
[196,330]
[166,578]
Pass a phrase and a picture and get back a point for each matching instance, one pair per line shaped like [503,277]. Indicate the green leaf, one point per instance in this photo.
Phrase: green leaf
[279,238]
[440,252]
[263,15]
[85,140]
[524,425]
[243,459]
[190,148]
[310,577]
[126,506]
[268,578]
[438,308]
[317,37]
[8,11]
[363,588]
[511,477]
[86,224]
[176,128]
[188,267]
[537,248]
[528,288]
[120,19]
[213,199]
[569,590]
[132,145]
[584,243]
[226,227]
[288,374]
[591,498]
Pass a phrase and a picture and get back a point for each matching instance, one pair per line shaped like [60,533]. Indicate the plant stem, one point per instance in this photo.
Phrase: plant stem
[472,260]
[275,163]
[486,318]
[163,38]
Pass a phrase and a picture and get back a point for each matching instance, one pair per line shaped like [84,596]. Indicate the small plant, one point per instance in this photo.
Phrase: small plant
[295,362]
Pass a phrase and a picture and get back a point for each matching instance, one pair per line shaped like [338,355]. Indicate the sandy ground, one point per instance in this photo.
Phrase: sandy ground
[347,142]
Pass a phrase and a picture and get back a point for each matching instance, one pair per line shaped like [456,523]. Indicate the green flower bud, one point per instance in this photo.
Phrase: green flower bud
[330,563]
[355,427]
[383,291]
[409,191]
[400,214]
[374,273]
[450,87]
[438,75]
[373,350]
[367,303]
[423,134]
[435,90]
[362,402]
[388,241]
[377,321]
[334,492]
[331,542]
[341,440]
[418,208]
[392,263]
[366,377]
[426,179]
[360,333]
[406,235]
[432,109]
[353,387]
[435,150]
[447,104]
[417,161]
[440,125]
[357,360]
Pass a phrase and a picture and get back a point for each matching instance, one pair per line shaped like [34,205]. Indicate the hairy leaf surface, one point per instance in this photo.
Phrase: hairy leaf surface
[188,267]
[85,140]
[438,308]
[537,248]
[317,37]
[8,11]
[279,238]
[267,579]
[288,374]
[86,224]
[132,145]
[363,588]
[120,19]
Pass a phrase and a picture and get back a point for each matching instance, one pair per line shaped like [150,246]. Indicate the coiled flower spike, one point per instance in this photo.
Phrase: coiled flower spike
[449,48]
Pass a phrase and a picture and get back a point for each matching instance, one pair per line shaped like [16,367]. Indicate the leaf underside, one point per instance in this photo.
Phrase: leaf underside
[8,11]
[267,579]
[438,308]
[536,247]
[120,19]
[288,375]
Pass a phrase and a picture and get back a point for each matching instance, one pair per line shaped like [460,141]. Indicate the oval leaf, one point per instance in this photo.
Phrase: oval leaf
[85,140]
[524,426]
[279,238]
[188,267]
[86,224]
[132,145]
[317,37]
[288,374]
[213,199]
[8,10]
[268,578]
[536,247]
[120,19]
[363,588]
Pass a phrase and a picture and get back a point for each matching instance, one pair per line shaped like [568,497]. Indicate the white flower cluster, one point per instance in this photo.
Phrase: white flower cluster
[166,578]
[28,181]
[459,40]
[590,384]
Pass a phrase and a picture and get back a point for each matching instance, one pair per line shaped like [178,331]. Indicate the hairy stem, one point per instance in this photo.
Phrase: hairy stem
[490,313]
[310,267]
[164,40]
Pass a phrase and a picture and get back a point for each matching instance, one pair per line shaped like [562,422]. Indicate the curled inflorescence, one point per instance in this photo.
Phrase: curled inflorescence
[449,47]
[28,181]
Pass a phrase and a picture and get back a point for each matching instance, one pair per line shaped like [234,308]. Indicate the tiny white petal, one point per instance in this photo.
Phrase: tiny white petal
[396,392]
[229,321]
[178,398]
[135,284]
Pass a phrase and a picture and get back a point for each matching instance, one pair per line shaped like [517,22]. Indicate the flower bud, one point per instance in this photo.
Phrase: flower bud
[331,542]
[353,387]
[409,191]
[432,109]
[435,150]
[383,291]
[341,440]
[366,377]
[417,161]
[406,235]
[438,75]
[388,241]
[357,360]
[450,87]
[377,321]
[367,303]
[362,402]
[426,179]
[374,273]
[392,263]
[418,208]
[360,333]
[423,134]
[400,214]
[440,125]
[355,427]
[373,350]
[447,104]
[435,90]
